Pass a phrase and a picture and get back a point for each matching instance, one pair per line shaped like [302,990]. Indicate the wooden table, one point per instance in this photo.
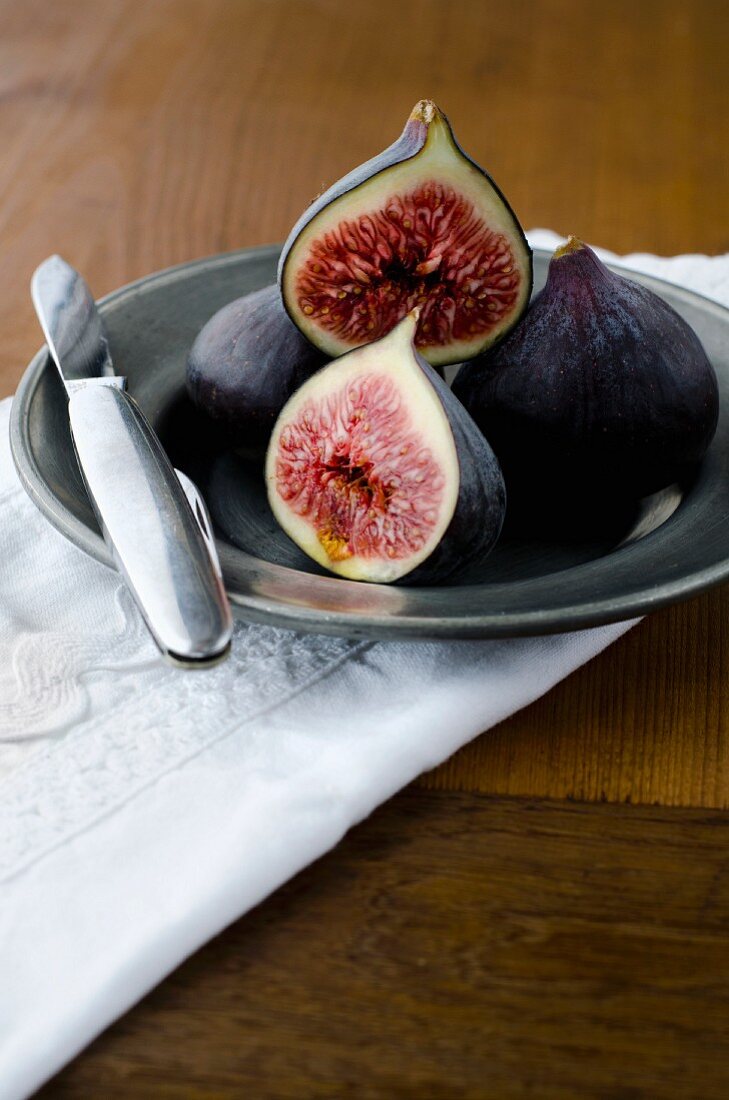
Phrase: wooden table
[546,914]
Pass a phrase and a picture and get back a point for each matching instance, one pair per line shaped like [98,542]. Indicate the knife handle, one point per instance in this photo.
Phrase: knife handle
[149,526]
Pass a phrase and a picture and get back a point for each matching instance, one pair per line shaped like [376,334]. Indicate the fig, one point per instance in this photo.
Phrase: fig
[418,225]
[602,386]
[378,473]
[245,364]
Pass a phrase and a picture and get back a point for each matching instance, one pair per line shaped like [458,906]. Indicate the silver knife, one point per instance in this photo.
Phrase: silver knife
[151,516]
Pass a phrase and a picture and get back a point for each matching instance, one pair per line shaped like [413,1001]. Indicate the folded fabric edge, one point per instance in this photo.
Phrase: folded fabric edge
[192,894]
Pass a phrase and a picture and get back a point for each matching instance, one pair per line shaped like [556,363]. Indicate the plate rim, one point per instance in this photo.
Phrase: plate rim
[259,608]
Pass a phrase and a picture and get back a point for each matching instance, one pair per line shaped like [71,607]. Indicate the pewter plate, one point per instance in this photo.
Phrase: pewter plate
[599,563]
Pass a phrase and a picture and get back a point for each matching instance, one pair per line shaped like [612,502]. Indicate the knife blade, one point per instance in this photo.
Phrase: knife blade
[154,521]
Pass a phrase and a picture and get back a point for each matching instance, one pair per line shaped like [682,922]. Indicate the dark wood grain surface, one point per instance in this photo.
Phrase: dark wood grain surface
[456,946]
[461,943]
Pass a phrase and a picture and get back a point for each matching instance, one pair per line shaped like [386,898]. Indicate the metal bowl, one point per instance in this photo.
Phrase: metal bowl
[602,563]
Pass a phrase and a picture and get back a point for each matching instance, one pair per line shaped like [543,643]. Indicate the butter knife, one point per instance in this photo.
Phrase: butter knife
[151,516]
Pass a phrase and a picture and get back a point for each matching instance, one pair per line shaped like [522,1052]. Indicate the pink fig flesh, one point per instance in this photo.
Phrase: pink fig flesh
[353,465]
[421,225]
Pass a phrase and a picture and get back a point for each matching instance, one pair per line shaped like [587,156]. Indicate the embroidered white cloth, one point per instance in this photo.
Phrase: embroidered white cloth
[142,809]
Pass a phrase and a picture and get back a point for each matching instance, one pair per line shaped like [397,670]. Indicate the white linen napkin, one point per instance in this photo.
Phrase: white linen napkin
[142,809]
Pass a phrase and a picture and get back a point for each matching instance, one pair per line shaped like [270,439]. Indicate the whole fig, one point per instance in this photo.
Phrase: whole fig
[602,387]
[379,474]
[245,364]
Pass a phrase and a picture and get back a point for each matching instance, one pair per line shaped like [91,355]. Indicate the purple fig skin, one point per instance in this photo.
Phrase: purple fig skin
[245,364]
[481,508]
[602,387]
[410,143]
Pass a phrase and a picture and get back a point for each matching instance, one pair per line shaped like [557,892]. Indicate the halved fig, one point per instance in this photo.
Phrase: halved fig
[245,364]
[419,225]
[378,473]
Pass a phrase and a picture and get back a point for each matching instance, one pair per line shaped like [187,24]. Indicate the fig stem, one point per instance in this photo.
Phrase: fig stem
[425,110]
[572,244]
